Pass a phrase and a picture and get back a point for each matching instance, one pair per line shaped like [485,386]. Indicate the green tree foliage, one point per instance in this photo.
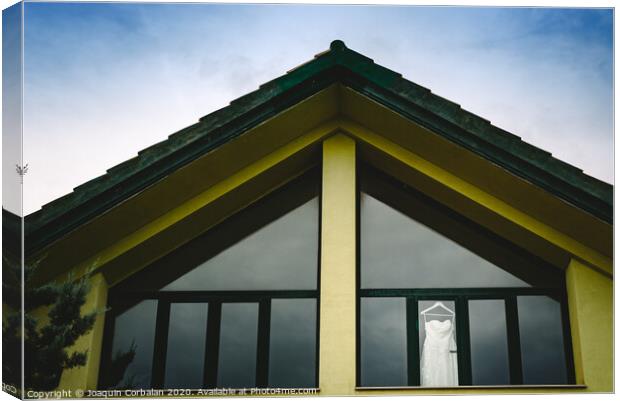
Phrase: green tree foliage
[45,341]
[115,375]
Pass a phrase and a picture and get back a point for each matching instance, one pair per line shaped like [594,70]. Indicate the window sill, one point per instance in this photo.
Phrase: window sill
[481,387]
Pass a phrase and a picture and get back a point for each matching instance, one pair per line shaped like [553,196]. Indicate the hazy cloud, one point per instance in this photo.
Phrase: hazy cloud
[103,81]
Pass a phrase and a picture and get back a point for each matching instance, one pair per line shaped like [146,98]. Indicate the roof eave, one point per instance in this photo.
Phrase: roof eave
[361,74]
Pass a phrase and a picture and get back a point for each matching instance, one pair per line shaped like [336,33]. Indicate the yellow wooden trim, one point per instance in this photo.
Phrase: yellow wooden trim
[590,306]
[471,391]
[337,359]
[85,377]
[589,291]
[189,181]
[573,312]
[487,176]
[209,196]
[337,363]
[472,192]
[410,159]
[338,268]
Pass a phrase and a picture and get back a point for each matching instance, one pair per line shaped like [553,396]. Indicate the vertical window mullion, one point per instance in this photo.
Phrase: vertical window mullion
[106,348]
[212,346]
[514,341]
[463,344]
[358,282]
[413,342]
[161,343]
[262,352]
[316,341]
[566,337]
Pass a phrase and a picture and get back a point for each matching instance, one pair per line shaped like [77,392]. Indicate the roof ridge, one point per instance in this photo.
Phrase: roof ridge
[361,73]
[478,126]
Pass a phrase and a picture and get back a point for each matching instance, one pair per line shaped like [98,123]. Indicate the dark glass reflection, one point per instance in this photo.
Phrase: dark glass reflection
[542,343]
[292,349]
[186,345]
[238,341]
[134,335]
[398,252]
[489,346]
[383,342]
[281,255]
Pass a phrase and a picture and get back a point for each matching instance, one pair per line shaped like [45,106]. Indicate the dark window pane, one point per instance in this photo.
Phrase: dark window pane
[186,345]
[437,334]
[383,342]
[134,335]
[292,350]
[281,255]
[489,343]
[542,344]
[398,252]
[238,341]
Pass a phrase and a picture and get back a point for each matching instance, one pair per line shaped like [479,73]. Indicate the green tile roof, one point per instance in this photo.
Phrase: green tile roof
[353,70]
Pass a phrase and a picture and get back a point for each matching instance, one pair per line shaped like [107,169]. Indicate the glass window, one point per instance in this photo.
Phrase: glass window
[132,349]
[542,343]
[398,252]
[383,342]
[238,341]
[438,351]
[489,342]
[446,302]
[235,307]
[281,255]
[186,345]
[292,349]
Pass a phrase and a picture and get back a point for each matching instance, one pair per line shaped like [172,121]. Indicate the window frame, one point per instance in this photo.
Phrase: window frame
[121,298]
[461,298]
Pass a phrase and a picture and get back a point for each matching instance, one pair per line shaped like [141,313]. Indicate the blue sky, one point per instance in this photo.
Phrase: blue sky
[103,81]
[11,111]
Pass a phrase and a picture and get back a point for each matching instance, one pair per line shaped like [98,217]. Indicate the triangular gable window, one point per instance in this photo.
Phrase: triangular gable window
[281,255]
[399,252]
[444,302]
[233,308]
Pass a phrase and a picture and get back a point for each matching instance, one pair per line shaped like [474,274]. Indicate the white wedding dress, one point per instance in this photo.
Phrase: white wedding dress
[438,366]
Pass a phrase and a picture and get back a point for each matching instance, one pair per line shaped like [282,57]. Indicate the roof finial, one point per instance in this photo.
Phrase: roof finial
[337,45]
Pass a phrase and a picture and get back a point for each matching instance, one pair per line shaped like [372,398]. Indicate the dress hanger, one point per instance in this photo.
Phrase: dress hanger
[437,304]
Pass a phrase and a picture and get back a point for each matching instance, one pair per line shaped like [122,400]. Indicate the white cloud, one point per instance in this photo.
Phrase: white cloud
[115,83]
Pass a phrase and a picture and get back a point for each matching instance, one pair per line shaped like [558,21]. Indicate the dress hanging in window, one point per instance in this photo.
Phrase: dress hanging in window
[438,365]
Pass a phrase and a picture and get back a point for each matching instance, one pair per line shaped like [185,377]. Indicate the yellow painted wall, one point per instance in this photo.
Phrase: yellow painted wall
[337,326]
[590,302]
[85,377]
[193,217]
[407,162]
[590,292]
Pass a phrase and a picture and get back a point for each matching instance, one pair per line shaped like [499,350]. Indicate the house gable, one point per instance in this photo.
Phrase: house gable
[339,117]
[237,154]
